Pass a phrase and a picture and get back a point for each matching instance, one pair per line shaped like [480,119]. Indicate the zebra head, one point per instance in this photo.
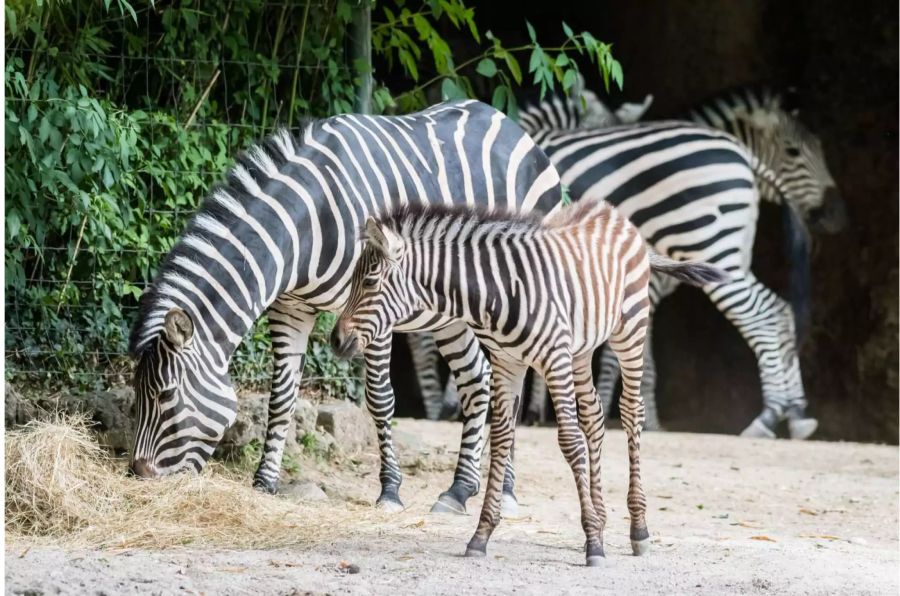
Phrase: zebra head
[183,403]
[381,292]
[797,170]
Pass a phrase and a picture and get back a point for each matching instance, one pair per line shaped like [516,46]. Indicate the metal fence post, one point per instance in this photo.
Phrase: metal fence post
[361,53]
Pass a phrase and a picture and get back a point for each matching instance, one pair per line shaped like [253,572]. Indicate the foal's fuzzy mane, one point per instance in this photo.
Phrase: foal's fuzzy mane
[412,219]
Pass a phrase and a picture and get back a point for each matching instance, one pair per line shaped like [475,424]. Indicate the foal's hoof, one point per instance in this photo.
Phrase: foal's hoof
[389,503]
[475,553]
[802,428]
[758,430]
[596,561]
[509,506]
[447,503]
[640,547]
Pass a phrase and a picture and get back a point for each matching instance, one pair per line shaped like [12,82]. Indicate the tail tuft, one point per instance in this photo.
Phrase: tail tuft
[689,272]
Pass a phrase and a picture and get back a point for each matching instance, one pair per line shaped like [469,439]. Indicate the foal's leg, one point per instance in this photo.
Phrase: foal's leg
[628,344]
[380,401]
[561,383]
[592,423]
[506,382]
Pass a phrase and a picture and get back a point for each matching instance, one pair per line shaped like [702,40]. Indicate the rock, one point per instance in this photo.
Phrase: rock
[305,415]
[303,490]
[249,424]
[351,427]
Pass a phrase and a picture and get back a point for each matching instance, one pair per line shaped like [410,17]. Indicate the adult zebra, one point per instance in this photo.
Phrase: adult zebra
[280,237]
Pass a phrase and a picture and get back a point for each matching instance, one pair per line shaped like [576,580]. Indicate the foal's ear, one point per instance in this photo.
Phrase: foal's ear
[384,239]
[178,327]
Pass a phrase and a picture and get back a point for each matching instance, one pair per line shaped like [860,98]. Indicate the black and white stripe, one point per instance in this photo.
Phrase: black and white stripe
[538,293]
[280,237]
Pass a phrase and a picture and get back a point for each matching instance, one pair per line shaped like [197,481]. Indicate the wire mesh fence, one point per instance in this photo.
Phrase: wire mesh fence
[117,124]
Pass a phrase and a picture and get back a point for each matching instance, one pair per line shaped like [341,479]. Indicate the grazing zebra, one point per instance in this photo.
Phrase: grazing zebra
[538,293]
[279,237]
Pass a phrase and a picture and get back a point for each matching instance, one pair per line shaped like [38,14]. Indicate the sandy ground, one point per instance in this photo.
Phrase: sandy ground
[727,516]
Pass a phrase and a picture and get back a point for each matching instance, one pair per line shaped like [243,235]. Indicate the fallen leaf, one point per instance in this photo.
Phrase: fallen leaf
[25,552]
[765,538]
[747,524]
[233,569]
[345,567]
[821,536]
[805,511]
[663,496]
[418,524]
[405,558]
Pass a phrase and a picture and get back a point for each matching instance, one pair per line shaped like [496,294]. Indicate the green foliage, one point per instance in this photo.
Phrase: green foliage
[120,115]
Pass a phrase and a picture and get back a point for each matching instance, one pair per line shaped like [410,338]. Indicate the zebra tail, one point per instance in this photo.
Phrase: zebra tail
[689,272]
[797,241]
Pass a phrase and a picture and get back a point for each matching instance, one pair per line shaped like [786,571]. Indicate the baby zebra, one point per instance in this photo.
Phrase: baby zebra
[543,293]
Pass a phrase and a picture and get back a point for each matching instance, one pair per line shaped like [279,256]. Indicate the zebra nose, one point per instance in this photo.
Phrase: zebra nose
[141,468]
[342,343]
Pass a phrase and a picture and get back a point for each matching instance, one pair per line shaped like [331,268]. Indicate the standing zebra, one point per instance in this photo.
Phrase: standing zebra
[279,237]
[538,293]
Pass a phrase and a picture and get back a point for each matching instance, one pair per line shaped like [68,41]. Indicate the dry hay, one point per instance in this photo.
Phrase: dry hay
[61,485]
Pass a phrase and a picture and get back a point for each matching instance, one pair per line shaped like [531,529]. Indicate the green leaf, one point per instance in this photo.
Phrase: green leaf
[486,68]
[531,33]
[617,73]
[513,65]
[569,79]
[567,30]
[499,98]
[562,60]
[13,224]
[451,91]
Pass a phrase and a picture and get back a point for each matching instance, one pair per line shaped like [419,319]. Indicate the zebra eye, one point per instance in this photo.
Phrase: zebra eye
[793,151]
[370,282]
[166,394]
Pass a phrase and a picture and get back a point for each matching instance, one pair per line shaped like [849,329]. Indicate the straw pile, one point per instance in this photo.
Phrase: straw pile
[61,485]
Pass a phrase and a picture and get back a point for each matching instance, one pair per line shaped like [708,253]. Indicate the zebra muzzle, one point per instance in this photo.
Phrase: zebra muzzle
[345,345]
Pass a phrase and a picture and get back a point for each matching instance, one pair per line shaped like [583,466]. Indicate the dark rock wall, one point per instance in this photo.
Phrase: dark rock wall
[843,58]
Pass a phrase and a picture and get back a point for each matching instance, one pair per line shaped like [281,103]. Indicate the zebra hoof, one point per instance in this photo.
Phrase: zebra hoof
[266,486]
[758,430]
[509,506]
[446,503]
[474,553]
[596,561]
[389,504]
[640,547]
[802,428]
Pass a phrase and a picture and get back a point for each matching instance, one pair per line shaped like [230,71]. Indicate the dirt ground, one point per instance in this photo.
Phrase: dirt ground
[726,515]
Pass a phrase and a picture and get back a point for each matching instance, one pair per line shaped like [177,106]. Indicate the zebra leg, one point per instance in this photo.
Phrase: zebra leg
[471,371]
[380,402]
[561,383]
[766,323]
[290,324]
[424,355]
[628,344]
[609,374]
[593,426]
[506,383]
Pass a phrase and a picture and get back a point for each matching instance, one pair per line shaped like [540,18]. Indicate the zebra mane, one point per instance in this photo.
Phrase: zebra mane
[248,171]
[433,221]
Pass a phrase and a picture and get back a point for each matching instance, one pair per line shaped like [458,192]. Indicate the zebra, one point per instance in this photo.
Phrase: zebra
[540,293]
[279,237]
[785,163]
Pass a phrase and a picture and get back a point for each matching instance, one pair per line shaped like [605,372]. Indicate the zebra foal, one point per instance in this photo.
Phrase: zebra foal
[541,293]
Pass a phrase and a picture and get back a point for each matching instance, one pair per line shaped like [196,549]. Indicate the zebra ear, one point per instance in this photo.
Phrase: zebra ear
[179,328]
[384,239]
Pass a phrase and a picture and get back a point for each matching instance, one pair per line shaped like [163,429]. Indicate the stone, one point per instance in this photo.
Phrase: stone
[303,490]
[249,424]
[351,427]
